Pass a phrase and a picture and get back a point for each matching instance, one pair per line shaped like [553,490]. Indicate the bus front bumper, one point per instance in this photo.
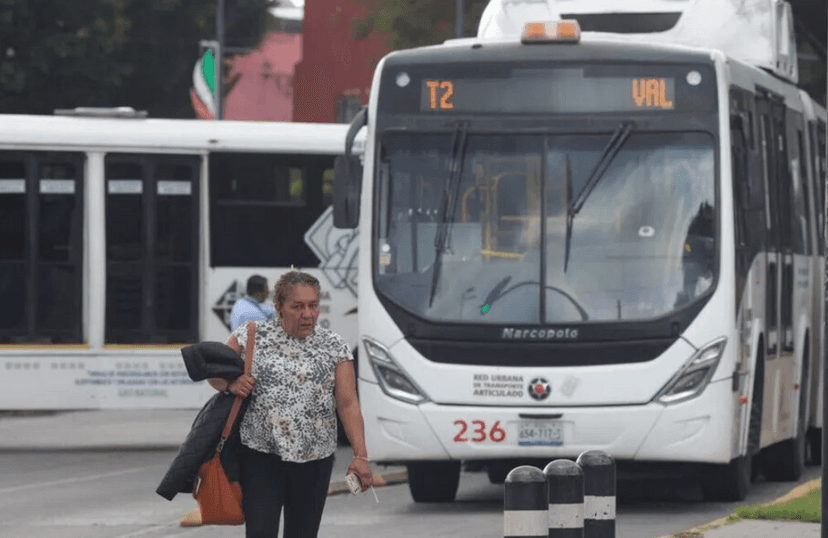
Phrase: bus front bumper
[685,432]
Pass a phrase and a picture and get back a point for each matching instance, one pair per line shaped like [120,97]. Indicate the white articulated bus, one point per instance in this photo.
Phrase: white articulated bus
[578,240]
[124,238]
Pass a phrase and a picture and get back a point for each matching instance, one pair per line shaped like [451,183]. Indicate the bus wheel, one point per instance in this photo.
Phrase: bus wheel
[815,445]
[433,481]
[341,438]
[785,461]
[730,482]
[497,472]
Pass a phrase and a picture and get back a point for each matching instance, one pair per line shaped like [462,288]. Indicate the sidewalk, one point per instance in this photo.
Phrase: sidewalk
[154,429]
[753,528]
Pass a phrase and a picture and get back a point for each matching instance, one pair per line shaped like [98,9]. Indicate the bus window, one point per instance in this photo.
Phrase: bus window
[41,247]
[801,198]
[262,204]
[59,263]
[13,254]
[151,249]
[818,158]
[514,209]
[327,187]
[176,245]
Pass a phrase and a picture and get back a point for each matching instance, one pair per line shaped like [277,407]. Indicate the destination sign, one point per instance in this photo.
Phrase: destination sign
[562,90]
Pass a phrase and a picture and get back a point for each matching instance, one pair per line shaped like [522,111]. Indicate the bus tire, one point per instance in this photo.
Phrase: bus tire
[497,472]
[731,482]
[341,438]
[815,446]
[785,461]
[433,481]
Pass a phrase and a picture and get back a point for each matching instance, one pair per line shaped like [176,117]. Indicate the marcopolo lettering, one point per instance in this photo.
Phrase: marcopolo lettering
[510,333]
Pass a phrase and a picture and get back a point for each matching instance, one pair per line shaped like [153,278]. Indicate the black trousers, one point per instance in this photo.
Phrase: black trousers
[268,484]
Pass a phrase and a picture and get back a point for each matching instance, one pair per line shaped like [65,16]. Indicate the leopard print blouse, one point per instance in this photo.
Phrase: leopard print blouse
[292,410]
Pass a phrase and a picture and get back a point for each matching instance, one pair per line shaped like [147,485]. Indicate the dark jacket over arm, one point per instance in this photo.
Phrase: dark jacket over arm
[212,359]
[203,361]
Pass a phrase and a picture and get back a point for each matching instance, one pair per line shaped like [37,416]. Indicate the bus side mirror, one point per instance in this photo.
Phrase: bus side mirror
[348,177]
[347,186]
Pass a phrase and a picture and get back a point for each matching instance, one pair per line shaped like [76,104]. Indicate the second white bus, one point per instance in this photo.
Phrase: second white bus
[124,238]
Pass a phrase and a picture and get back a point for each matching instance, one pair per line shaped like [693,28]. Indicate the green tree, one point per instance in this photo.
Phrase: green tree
[415,23]
[136,53]
[163,47]
[58,54]
[812,72]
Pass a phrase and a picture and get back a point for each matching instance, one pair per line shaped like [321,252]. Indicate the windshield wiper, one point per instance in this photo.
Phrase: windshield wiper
[607,155]
[569,214]
[499,290]
[494,294]
[449,205]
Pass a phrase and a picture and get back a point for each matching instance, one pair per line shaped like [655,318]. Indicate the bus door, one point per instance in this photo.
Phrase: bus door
[817,157]
[774,258]
[785,205]
[510,206]
[41,247]
[777,408]
[152,249]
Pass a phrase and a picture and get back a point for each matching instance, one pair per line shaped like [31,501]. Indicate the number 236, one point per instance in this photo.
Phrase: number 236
[477,432]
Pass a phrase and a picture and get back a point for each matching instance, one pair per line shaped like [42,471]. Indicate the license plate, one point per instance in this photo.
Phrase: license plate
[540,433]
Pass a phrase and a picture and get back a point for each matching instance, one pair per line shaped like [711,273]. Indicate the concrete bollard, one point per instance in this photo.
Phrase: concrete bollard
[565,481]
[525,505]
[599,493]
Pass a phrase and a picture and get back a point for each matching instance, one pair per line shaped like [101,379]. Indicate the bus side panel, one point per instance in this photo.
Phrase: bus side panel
[119,378]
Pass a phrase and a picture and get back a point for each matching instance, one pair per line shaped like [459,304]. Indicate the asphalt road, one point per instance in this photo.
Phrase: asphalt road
[112,495]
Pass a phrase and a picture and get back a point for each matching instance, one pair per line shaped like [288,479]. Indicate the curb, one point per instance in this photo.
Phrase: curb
[192,518]
[698,532]
[799,491]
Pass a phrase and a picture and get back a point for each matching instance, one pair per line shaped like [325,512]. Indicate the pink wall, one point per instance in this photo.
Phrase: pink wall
[336,65]
[259,84]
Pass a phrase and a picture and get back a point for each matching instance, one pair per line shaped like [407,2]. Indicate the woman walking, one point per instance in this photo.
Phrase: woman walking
[302,376]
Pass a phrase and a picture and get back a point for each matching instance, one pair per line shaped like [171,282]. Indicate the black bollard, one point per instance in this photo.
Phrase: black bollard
[525,504]
[566,499]
[599,493]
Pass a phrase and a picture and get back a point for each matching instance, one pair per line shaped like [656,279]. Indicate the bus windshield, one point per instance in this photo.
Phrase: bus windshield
[544,229]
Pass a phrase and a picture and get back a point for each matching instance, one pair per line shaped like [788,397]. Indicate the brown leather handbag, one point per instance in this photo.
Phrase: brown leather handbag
[219,500]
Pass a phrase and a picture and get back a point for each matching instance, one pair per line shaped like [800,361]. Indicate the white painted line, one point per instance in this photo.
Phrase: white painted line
[148,530]
[87,478]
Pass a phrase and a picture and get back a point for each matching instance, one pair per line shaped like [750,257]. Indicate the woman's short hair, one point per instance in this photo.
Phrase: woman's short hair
[288,281]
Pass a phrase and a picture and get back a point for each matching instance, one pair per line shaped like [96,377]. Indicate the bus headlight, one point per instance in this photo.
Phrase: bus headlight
[694,376]
[393,380]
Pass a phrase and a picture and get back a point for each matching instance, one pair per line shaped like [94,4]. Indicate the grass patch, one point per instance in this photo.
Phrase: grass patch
[806,508]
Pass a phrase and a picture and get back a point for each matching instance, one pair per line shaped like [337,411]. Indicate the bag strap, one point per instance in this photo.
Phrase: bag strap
[248,364]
